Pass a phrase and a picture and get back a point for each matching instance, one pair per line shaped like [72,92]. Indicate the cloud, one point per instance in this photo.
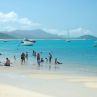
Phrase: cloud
[75,32]
[55,31]
[79,32]
[8,17]
[52,31]
[12,21]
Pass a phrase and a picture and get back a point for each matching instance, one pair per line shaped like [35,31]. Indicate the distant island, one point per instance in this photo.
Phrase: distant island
[37,34]
[6,36]
[88,37]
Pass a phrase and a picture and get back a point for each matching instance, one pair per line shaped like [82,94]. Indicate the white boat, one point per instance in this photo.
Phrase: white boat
[28,42]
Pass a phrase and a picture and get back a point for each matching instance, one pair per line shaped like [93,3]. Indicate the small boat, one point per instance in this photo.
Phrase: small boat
[27,42]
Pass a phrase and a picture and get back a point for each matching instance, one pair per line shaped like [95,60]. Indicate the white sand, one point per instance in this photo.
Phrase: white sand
[25,82]
[10,91]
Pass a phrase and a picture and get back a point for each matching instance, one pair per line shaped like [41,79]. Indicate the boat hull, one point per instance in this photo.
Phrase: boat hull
[27,43]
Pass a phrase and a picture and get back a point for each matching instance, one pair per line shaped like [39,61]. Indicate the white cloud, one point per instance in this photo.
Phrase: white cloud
[75,32]
[25,21]
[12,21]
[52,31]
[55,31]
[8,17]
[79,31]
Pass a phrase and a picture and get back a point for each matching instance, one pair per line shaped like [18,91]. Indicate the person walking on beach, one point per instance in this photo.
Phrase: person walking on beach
[7,63]
[38,59]
[50,60]
[22,58]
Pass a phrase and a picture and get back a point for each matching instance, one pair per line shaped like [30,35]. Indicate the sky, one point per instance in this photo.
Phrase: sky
[77,17]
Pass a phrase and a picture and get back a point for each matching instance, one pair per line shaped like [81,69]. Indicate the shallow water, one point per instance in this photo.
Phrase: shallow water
[77,55]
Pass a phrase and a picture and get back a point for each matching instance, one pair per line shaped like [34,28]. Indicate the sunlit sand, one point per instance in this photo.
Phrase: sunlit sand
[19,81]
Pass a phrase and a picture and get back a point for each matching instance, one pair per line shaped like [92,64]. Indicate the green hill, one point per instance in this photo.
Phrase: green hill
[6,36]
[34,34]
[89,37]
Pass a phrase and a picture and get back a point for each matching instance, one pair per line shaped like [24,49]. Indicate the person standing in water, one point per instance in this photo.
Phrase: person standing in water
[22,58]
[50,60]
[38,59]
[7,63]
[33,53]
[14,59]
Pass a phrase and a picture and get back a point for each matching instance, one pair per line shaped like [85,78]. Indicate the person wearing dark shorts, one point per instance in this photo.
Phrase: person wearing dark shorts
[22,58]
[7,63]
[38,59]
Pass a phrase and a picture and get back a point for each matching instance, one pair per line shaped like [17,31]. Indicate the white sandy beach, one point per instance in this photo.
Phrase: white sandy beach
[27,82]
[11,91]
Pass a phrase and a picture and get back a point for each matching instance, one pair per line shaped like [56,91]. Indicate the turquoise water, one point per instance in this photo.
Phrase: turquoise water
[77,53]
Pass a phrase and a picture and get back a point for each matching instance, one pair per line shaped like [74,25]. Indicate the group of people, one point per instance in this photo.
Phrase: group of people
[47,59]
[39,59]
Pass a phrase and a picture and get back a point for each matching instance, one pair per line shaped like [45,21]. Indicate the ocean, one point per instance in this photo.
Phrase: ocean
[77,55]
